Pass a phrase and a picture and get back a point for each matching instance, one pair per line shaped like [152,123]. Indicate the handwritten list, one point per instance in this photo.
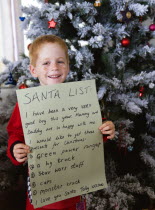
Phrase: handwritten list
[60,124]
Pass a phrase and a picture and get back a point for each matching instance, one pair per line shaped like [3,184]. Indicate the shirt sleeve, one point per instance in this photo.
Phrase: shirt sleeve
[15,132]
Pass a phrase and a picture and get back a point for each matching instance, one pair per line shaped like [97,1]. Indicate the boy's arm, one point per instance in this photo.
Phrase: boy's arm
[15,133]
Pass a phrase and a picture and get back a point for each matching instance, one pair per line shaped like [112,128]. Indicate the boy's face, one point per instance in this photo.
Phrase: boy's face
[51,65]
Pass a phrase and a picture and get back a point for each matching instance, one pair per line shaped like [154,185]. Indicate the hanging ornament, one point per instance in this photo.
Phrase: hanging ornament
[141,91]
[97,3]
[152,27]
[130,148]
[125,42]
[23,86]
[10,81]
[127,15]
[52,23]
[22,18]
[151,42]
[151,85]
[140,19]
[46,1]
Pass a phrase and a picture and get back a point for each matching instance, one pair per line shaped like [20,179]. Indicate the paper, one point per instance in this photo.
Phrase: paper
[60,124]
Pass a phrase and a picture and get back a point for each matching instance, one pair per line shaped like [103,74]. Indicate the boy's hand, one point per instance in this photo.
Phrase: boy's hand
[108,127]
[20,152]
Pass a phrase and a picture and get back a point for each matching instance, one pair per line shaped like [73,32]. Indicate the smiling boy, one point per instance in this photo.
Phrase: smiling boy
[49,63]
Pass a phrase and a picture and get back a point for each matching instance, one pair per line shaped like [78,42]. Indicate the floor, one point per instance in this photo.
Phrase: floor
[13,199]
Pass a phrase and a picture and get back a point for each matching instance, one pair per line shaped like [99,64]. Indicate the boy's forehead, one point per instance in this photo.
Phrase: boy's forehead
[47,49]
[51,47]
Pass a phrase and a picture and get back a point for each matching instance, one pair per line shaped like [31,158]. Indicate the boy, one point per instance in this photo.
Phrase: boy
[49,62]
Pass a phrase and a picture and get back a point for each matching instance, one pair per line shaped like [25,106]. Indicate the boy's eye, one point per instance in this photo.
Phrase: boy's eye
[60,61]
[46,63]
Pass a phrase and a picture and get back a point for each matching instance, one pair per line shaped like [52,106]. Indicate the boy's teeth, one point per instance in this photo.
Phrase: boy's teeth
[54,76]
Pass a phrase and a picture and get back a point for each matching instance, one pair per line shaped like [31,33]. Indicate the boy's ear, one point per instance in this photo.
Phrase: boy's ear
[32,70]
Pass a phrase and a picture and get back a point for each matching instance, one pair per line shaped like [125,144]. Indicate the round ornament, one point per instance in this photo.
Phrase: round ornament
[140,19]
[127,15]
[10,81]
[125,42]
[23,86]
[151,85]
[141,91]
[22,18]
[130,148]
[152,27]
[97,3]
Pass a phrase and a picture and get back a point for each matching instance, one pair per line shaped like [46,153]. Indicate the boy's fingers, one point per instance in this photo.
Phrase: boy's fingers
[21,160]
[21,146]
[21,151]
[104,125]
[20,156]
[109,132]
[105,128]
[111,136]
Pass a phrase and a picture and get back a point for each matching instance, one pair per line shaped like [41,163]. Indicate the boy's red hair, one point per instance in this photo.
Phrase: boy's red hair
[38,42]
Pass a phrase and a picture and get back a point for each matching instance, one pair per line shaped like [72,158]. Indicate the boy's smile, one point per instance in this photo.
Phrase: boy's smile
[51,66]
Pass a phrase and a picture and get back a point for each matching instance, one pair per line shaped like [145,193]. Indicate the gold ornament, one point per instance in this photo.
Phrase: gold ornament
[97,3]
[128,15]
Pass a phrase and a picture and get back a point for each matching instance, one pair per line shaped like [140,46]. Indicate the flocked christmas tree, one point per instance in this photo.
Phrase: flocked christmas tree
[109,42]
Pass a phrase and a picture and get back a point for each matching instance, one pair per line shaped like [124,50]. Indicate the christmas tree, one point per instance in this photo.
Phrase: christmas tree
[109,41]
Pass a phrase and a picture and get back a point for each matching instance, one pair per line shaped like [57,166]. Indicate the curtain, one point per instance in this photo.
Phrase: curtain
[11,35]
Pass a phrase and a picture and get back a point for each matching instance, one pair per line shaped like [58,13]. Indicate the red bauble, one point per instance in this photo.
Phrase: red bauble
[23,86]
[125,42]
[141,91]
[152,27]
[140,19]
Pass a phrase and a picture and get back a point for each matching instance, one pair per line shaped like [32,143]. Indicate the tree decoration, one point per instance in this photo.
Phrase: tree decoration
[151,85]
[22,18]
[97,3]
[125,42]
[152,27]
[140,19]
[130,148]
[141,91]
[46,1]
[23,86]
[52,24]
[10,81]
[127,15]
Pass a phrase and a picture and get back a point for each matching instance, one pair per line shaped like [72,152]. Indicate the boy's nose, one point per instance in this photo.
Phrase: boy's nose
[54,66]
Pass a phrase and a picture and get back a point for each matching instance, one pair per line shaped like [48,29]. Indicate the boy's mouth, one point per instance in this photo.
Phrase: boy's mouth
[54,76]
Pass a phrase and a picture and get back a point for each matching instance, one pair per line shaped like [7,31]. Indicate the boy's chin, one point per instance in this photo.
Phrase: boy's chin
[54,82]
